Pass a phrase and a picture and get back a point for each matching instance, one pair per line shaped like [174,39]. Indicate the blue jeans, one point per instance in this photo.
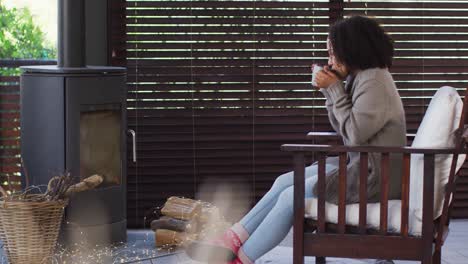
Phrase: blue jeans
[272,217]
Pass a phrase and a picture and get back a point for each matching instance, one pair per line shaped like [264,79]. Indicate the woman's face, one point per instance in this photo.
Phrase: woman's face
[340,68]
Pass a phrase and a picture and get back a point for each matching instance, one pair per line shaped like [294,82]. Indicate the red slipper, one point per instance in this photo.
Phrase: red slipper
[223,249]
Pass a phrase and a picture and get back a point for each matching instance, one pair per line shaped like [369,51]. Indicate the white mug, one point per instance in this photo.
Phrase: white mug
[315,69]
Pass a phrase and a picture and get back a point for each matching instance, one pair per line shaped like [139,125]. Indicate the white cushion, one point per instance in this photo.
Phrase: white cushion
[437,129]
[373,215]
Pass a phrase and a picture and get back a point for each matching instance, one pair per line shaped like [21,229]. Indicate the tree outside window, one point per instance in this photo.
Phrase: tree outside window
[21,38]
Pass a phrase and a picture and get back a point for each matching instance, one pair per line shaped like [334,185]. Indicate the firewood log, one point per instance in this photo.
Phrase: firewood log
[166,222]
[85,185]
[181,208]
[166,237]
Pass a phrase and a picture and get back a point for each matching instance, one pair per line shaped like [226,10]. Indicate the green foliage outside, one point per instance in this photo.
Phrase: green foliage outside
[20,38]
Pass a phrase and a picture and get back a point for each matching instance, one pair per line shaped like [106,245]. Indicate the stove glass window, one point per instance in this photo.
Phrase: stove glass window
[100,145]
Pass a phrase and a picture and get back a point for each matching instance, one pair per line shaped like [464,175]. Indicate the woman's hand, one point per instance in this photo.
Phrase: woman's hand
[340,70]
[326,77]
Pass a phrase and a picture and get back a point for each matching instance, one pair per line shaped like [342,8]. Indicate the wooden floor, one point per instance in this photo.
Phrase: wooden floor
[455,251]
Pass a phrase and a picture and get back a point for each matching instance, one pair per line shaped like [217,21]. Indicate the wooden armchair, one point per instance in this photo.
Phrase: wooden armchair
[319,237]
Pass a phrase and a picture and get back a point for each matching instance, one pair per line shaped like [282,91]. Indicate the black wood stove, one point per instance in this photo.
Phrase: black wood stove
[73,119]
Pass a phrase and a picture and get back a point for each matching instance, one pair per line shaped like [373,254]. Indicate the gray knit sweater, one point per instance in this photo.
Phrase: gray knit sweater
[367,112]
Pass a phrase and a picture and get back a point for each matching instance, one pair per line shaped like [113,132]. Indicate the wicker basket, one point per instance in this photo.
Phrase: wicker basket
[29,228]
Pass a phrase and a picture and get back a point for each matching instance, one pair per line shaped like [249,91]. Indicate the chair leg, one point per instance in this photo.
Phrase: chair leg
[437,257]
[428,260]
[320,260]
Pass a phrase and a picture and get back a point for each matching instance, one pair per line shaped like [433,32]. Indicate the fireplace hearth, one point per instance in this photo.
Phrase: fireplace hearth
[73,119]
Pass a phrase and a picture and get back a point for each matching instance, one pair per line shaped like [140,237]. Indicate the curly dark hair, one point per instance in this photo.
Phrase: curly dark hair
[361,43]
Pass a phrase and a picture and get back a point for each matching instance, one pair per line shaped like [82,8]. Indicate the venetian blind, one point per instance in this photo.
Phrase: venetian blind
[215,87]
[9,128]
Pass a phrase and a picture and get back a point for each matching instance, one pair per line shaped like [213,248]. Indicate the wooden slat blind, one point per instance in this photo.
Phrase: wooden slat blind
[9,131]
[431,41]
[215,87]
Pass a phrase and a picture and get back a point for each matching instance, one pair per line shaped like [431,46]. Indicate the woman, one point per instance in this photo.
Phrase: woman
[365,111]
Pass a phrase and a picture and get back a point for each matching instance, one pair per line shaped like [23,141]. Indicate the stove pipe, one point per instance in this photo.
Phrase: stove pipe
[71,34]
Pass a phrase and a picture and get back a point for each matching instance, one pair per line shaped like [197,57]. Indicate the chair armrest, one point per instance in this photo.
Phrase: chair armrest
[334,135]
[376,149]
